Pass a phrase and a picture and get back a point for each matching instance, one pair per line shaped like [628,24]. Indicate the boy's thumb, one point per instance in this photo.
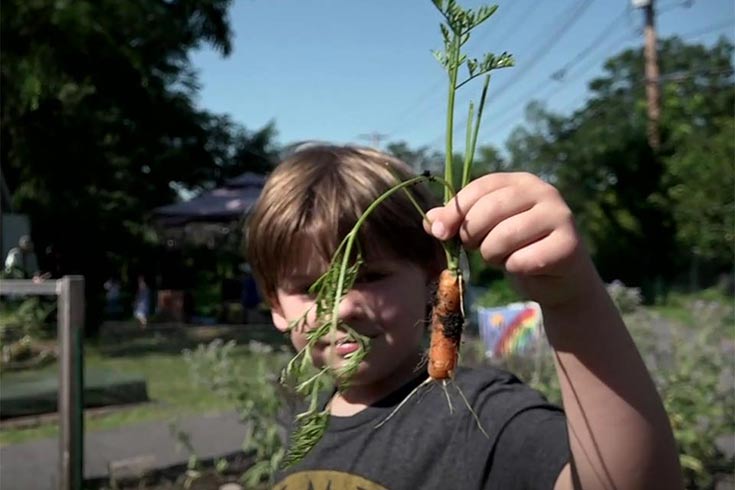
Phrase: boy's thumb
[433,224]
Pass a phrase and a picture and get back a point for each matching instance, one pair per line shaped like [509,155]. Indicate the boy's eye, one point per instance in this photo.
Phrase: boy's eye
[370,276]
[300,289]
[304,290]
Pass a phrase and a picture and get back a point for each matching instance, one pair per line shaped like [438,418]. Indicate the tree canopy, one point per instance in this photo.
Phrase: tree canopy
[99,123]
[646,216]
[649,219]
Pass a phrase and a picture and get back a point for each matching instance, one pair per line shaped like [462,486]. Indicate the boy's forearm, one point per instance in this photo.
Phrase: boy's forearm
[618,430]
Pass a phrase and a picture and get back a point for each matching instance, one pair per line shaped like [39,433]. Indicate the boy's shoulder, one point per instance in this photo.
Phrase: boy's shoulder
[490,383]
[484,377]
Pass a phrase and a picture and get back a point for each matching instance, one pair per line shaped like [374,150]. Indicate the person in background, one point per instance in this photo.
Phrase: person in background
[142,304]
[20,263]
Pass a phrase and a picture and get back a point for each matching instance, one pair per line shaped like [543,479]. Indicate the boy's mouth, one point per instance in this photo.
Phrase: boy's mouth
[346,346]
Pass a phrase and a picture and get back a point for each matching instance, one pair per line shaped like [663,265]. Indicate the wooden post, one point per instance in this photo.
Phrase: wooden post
[70,290]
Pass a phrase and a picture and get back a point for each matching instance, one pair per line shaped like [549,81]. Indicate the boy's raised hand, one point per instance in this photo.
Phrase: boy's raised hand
[619,433]
[522,224]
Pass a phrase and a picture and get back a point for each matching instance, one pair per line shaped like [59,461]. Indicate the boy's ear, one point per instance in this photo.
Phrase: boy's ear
[279,320]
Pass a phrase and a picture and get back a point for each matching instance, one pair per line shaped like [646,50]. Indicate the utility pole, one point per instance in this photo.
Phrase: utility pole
[375,138]
[653,96]
[656,264]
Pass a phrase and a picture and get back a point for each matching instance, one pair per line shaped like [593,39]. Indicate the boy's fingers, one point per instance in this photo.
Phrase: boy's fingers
[546,256]
[446,220]
[491,210]
[515,233]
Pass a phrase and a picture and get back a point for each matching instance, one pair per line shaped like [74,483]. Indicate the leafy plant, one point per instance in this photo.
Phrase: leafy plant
[22,323]
[500,292]
[626,299]
[258,397]
[693,370]
[689,355]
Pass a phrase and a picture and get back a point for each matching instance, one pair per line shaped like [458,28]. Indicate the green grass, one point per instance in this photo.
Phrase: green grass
[155,354]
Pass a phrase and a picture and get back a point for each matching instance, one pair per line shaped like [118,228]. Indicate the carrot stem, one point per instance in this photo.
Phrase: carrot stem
[453,69]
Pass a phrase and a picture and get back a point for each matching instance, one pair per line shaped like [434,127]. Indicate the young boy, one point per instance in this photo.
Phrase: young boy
[613,433]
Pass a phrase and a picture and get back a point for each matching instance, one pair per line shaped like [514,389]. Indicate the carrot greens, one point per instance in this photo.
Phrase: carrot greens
[330,289]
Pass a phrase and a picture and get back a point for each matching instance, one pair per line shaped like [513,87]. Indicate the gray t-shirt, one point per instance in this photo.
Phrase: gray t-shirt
[424,446]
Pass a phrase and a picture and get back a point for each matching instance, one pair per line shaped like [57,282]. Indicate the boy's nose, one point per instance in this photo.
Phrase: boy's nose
[351,306]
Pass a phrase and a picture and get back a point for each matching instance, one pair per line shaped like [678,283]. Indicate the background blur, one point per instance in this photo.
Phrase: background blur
[135,136]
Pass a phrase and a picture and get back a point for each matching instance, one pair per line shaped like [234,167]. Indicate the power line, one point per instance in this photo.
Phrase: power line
[561,75]
[419,101]
[669,78]
[571,16]
[514,116]
[511,26]
[426,96]
[511,29]
[554,88]
[605,110]
[561,72]
[708,29]
[673,6]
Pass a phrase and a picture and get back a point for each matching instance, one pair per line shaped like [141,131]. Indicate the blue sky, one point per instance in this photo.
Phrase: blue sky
[340,70]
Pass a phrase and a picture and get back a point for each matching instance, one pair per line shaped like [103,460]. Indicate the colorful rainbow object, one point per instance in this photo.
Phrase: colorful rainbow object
[510,329]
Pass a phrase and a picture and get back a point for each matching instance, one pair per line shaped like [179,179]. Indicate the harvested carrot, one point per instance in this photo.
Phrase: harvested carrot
[446,326]
[447,321]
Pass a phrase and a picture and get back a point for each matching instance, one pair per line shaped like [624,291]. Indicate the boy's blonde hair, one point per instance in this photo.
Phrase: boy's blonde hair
[313,199]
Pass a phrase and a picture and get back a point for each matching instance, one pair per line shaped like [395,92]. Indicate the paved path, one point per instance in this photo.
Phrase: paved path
[34,465]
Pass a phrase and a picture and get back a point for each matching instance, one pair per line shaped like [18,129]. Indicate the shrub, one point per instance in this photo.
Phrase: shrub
[626,299]
[263,404]
[22,323]
[693,370]
[500,292]
[691,364]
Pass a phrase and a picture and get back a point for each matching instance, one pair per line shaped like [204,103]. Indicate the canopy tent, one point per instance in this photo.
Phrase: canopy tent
[222,205]
[212,220]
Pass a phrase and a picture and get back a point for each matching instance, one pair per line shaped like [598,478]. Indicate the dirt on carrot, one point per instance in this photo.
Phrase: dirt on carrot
[446,326]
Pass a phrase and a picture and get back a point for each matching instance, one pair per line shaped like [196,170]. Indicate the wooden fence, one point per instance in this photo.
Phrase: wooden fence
[69,291]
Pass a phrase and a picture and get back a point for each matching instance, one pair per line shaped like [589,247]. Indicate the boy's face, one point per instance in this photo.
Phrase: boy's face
[387,304]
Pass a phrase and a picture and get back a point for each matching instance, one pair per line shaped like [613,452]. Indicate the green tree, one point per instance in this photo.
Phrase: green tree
[701,186]
[419,159]
[489,159]
[99,126]
[619,189]
[699,105]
